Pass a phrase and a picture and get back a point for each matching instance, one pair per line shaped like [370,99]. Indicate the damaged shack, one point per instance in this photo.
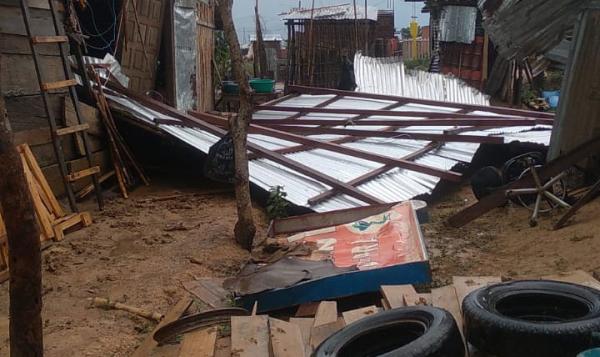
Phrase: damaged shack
[319,39]
[414,214]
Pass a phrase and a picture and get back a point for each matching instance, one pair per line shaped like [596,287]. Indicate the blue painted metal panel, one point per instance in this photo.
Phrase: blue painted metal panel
[337,286]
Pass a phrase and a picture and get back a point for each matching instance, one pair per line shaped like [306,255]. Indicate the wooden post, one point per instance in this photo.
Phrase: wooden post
[16,207]
[261,53]
[244,228]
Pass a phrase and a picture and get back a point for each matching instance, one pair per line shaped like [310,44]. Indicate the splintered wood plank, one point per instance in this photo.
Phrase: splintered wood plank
[28,157]
[326,313]
[320,333]
[446,298]
[424,299]
[466,284]
[399,295]
[90,188]
[357,314]
[72,129]
[223,348]
[250,336]
[305,324]
[58,84]
[64,223]
[576,277]
[307,309]
[49,39]
[199,343]
[145,349]
[78,175]
[286,339]
[209,290]
[42,214]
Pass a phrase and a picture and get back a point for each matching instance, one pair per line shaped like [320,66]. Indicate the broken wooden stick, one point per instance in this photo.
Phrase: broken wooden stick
[107,304]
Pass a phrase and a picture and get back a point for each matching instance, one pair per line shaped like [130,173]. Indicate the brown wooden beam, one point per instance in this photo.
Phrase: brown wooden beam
[373,112]
[373,174]
[472,107]
[474,121]
[391,134]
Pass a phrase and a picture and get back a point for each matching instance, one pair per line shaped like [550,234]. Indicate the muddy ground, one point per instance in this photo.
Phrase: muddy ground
[139,251]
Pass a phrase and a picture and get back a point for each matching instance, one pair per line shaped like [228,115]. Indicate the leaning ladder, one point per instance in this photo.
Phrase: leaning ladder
[69,82]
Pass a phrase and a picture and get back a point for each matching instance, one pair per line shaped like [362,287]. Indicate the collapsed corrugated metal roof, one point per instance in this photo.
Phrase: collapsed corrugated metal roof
[388,76]
[533,27]
[334,12]
[394,163]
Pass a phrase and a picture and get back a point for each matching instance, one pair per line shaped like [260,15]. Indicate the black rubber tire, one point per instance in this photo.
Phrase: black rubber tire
[533,318]
[485,181]
[407,332]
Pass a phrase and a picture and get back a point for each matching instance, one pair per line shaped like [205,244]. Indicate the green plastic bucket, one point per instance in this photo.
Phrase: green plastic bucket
[262,85]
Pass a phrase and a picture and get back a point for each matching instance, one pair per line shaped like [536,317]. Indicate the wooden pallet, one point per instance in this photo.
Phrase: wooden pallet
[52,219]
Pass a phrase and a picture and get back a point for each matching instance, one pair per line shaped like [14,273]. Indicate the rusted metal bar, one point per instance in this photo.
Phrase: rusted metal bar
[320,105]
[391,134]
[474,121]
[373,112]
[373,174]
[444,174]
[255,129]
[498,110]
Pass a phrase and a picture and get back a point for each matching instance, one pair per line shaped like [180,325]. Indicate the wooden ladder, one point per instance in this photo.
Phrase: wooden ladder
[69,82]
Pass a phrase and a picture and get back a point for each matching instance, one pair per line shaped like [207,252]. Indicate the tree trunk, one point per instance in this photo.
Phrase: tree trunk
[261,53]
[244,228]
[23,235]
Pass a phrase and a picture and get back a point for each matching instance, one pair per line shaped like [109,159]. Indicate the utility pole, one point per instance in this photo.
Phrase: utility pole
[366,30]
[260,46]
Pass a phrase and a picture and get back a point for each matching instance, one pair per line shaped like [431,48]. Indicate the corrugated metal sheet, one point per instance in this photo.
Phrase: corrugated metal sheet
[523,28]
[457,24]
[335,12]
[388,76]
[392,186]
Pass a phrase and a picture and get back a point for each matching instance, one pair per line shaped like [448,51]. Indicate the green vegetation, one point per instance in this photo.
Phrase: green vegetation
[421,64]
[277,204]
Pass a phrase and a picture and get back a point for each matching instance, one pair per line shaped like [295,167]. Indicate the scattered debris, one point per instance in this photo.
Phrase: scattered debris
[105,303]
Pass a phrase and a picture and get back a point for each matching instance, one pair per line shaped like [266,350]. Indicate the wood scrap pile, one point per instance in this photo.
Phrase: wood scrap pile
[126,168]
[298,336]
[51,217]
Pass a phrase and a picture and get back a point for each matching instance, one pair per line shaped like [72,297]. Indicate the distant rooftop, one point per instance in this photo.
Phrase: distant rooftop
[268,37]
[334,12]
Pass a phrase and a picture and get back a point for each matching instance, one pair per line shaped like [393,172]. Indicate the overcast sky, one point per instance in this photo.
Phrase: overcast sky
[243,13]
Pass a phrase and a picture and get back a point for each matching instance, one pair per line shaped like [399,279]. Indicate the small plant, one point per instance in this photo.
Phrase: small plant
[420,64]
[277,204]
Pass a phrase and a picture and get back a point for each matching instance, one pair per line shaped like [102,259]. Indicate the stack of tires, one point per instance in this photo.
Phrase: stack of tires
[516,319]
